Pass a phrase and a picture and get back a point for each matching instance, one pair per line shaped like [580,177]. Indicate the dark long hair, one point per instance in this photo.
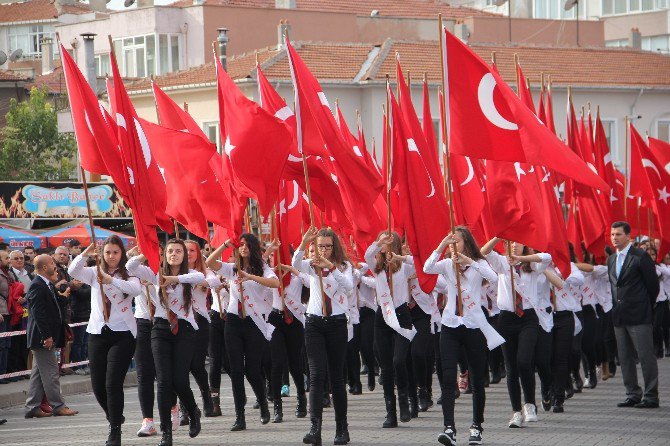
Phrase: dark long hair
[396,248]
[183,269]
[254,263]
[121,271]
[338,255]
[470,247]
[199,260]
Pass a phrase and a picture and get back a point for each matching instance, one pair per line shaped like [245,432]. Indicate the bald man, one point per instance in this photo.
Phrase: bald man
[46,333]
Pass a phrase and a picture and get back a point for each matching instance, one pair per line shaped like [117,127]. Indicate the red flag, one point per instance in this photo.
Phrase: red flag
[522,89]
[172,116]
[661,150]
[358,189]
[489,125]
[427,121]
[256,142]
[95,130]
[424,217]
[549,111]
[606,170]
[146,202]
[649,180]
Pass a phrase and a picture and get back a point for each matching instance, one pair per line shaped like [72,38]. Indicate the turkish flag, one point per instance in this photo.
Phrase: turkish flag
[94,128]
[427,123]
[549,110]
[146,189]
[256,143]
[606,171]
[649,180]
[424,217]
[172,116]
[492,123]
[661,150]
[359,190]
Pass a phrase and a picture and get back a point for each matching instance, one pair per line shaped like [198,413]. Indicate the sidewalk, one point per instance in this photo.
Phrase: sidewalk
[14,394]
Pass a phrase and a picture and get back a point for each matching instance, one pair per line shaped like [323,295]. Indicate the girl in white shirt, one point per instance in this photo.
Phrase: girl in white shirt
[173,333]
[326,334]
[246,331]
[112,328]
[393,323]
[464,324]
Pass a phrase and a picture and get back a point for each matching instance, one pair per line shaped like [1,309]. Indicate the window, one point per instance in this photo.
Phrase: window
[617,43]
[611,7]
[656,43]
[552,9]
[663,129]
[102,66]
[211,129]
[28,38]
[140,57]
[609,125]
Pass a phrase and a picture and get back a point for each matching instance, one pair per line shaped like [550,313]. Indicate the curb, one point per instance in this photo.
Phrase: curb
[70,387]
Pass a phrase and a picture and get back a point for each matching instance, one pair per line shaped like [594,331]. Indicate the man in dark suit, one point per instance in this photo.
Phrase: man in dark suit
[635,286]
[45,333]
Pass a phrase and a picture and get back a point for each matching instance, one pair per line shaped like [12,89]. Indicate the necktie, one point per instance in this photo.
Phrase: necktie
[174,322]
[412,302]
[619,263]
[288,317]
[326,298]
[53,296]
[518,300]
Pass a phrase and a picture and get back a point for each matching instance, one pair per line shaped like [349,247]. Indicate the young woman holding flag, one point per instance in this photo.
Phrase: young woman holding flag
[246,331]
[111,326]
[173,335]
[464,324]
[330,282]
[393,322]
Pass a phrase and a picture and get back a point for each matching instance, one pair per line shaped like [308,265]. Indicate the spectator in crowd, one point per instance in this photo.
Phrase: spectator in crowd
[18,351]
[74,246]
[29,254]
[46,333]
[635,285]
[4,247]
[6,280]
[81,311]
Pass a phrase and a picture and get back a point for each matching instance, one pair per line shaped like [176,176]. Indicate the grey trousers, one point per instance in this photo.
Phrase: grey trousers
[638,340]
[44,379]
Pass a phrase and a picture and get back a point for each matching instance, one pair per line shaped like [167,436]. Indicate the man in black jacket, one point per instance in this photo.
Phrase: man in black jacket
[635,286]
[45,333]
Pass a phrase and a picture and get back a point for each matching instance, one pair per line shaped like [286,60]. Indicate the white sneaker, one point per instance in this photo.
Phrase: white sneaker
[529,413]
[516,421]
[147,429]
[174,417]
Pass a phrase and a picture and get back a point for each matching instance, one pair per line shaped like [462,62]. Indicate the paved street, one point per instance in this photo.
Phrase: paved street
[591,418]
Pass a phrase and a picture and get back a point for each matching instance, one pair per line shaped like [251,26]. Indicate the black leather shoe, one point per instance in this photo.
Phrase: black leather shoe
[240,423]
[391,414]
[166,435]
[628,403]
[265,412]
[194,423]
[114,438]
[646,404]
[301,407]
[314,435]
[371,382]
[278,415]
[341,432]
[183,415]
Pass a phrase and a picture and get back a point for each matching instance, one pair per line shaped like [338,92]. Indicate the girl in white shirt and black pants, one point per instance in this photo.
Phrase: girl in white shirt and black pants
[464,329]
[111,343]
[173,333]
[326,335]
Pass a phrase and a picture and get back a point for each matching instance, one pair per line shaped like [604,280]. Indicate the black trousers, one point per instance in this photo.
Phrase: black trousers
[591,337]
[474,343]
[218,357]
[520,335]
[496,360]
[245,345]
[419,348]
[200,353]
[353,364]
[17,357]
[392,349]
[661,328]
[172,358]
[576,353]
[609,339]
[543,351]
[146,370]
[326,346]
[286,351]
[562,334]
[110,353]
[367,327]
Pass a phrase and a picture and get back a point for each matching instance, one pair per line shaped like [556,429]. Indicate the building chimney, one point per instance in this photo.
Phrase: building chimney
[145,3]
[461,31]
[98,5]
[47,55]
[285,4]
[283,29]
[635,39]
[89,60]
[223,47]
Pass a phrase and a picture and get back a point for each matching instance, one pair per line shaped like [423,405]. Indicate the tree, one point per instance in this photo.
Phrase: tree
[31,149]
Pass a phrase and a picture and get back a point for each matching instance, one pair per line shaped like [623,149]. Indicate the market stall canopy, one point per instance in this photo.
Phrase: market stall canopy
[82,233]
[20,238]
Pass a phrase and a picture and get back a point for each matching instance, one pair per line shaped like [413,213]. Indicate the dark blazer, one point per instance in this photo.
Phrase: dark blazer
[44,315]
[634,292]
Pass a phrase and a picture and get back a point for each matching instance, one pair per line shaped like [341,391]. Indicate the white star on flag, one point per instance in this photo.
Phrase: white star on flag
[228,147]
[663,194]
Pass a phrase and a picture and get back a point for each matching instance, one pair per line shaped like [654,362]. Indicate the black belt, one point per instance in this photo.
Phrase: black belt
[335,317]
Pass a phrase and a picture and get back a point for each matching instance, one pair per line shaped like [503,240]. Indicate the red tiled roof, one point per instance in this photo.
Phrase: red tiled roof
[30,10]
[392,8]
[54,82]
[11,76]
[597,67]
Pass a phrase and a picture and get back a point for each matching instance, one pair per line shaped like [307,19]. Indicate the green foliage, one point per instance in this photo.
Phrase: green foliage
[31,149]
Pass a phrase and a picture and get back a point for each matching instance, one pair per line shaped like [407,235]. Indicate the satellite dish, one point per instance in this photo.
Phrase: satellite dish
[128,3]
[569,4]
[3,57]
[16,54]
[500,2]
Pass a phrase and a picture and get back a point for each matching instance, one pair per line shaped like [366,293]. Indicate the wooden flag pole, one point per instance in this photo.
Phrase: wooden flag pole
[277,255]
[388,148]
[626,183]
[447,164]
